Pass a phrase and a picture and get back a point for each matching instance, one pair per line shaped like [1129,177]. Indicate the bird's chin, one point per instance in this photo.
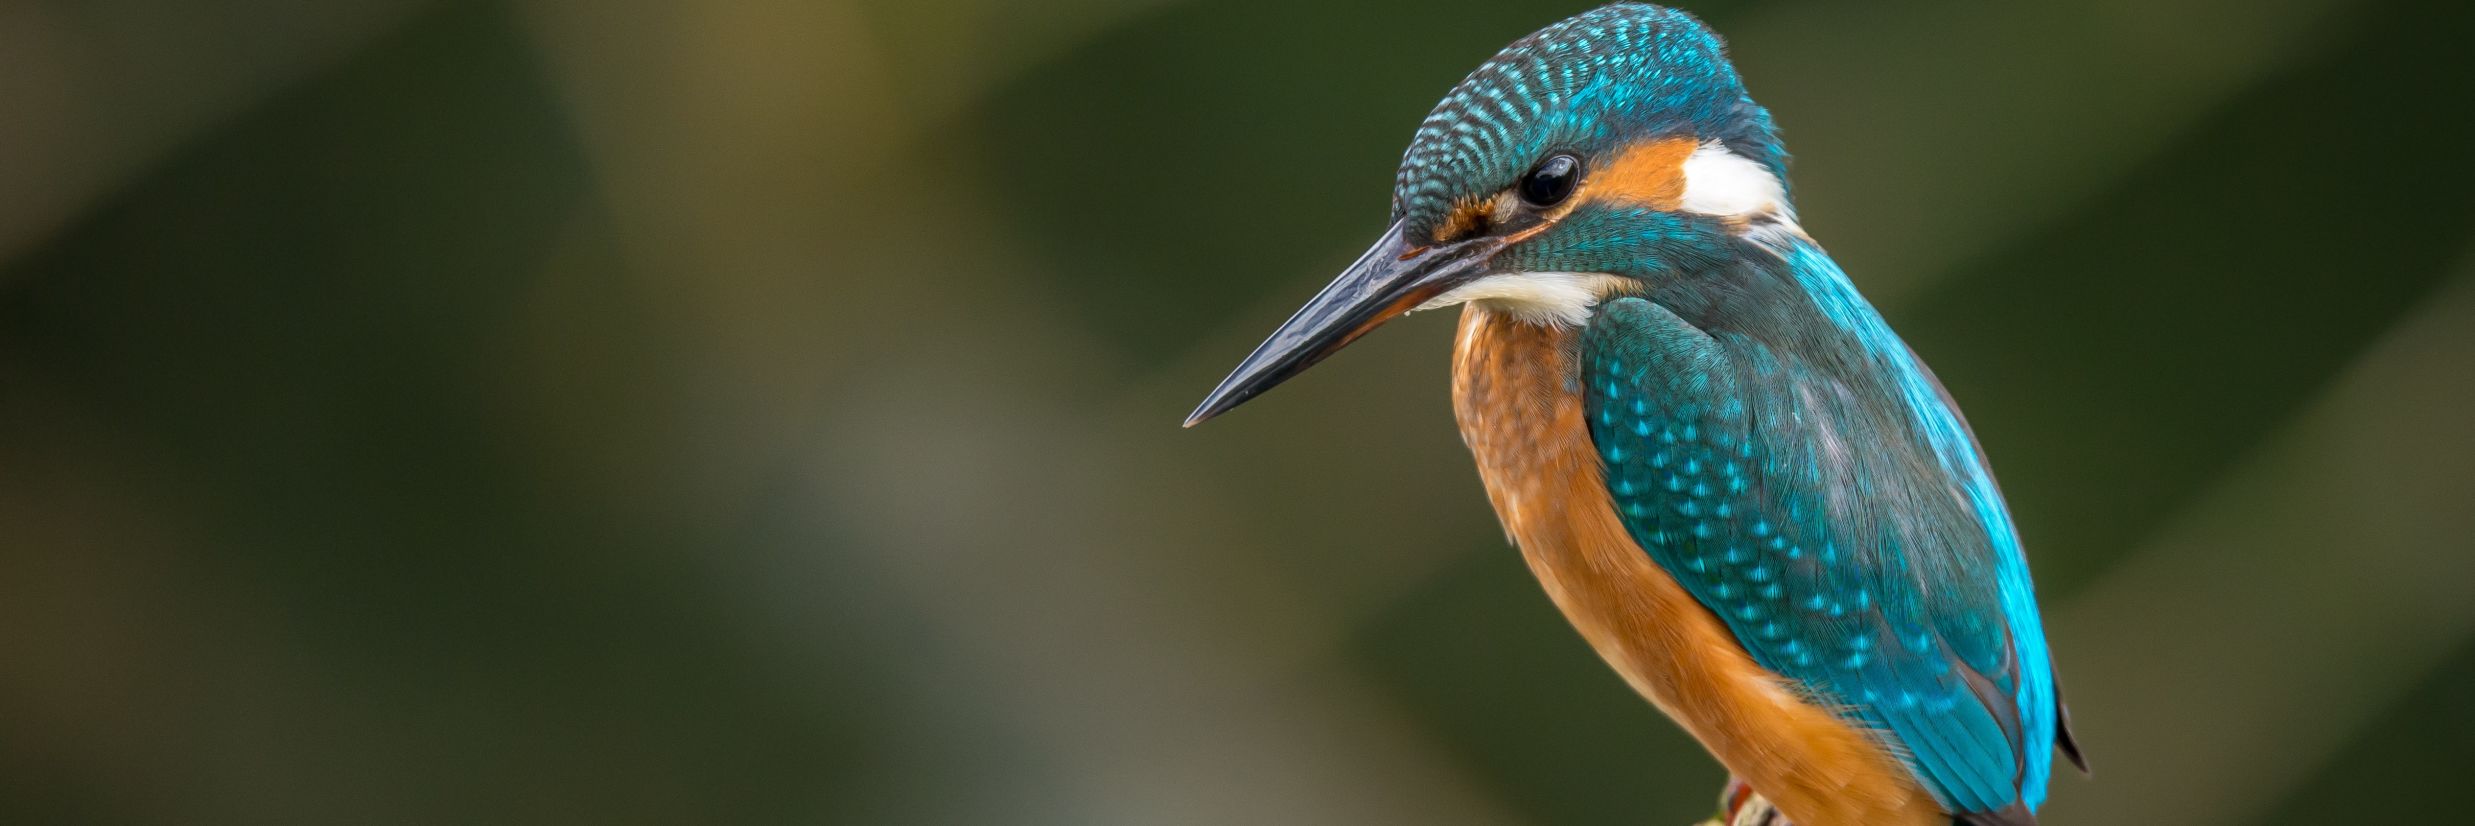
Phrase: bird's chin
[1562,299]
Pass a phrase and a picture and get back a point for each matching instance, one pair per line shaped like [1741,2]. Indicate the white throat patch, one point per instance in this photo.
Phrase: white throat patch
[1542,298]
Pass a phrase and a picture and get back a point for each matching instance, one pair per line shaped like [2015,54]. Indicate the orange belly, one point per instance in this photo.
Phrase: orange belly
[1519,406]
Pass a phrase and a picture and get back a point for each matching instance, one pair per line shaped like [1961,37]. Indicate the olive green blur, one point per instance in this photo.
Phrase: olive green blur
[766,411]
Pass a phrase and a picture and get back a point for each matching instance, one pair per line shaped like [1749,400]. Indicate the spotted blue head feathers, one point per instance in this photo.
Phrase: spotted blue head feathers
[1588,85]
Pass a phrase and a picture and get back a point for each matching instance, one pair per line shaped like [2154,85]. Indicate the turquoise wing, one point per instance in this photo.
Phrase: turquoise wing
[1826,531]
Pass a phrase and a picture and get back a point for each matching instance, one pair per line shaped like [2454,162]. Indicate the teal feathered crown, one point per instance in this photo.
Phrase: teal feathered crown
[1629,70]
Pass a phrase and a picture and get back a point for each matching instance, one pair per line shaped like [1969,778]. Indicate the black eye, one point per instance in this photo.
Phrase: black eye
[1552,181]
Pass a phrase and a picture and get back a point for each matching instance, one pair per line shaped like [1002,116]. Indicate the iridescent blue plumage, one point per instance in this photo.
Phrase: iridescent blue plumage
[1601,76]
[1768,440]
[1788,460]
[1760,433]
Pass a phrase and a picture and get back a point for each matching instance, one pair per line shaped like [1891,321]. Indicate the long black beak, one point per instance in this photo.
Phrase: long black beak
[1391,279]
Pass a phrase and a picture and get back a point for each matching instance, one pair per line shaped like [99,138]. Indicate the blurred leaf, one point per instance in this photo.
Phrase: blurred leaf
[1485,660]
[1199,160]
[99,90]
[2405,769]
[310,313]
[1928,133]
[2118,361]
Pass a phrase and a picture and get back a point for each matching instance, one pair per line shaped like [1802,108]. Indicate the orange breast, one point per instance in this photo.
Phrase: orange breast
[1520,411]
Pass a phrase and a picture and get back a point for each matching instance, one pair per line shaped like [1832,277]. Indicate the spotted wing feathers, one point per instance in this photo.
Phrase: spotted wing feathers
[1779,503]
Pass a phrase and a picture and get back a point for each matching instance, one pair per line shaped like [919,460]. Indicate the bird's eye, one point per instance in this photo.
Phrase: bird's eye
[1551,181]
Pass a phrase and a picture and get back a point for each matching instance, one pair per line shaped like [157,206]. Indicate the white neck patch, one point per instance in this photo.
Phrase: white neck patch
[1544,298]
[1725,184]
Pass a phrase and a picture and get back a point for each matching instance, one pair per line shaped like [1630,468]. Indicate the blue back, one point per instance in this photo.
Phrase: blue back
[1786,457]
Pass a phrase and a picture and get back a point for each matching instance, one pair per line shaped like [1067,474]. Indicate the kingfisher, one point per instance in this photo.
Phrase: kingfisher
[1744,490]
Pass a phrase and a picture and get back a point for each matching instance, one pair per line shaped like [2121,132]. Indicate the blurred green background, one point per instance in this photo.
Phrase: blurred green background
[553,411]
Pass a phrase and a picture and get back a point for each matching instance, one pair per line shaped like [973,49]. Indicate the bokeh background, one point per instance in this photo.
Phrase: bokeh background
[564,411]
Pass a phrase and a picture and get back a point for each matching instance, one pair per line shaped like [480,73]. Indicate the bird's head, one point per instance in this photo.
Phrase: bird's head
[1591,157]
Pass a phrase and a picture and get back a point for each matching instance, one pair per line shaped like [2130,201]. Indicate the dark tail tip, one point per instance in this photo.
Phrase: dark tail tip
[2064,739]
[2016,814]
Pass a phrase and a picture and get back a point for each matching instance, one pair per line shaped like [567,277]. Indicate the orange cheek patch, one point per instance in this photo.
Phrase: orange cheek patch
[1648,174]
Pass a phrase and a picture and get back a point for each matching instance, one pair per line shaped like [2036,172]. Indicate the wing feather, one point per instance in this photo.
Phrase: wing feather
[1834,546]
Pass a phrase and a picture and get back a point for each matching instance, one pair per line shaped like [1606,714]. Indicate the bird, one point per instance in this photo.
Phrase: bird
[1744,490]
